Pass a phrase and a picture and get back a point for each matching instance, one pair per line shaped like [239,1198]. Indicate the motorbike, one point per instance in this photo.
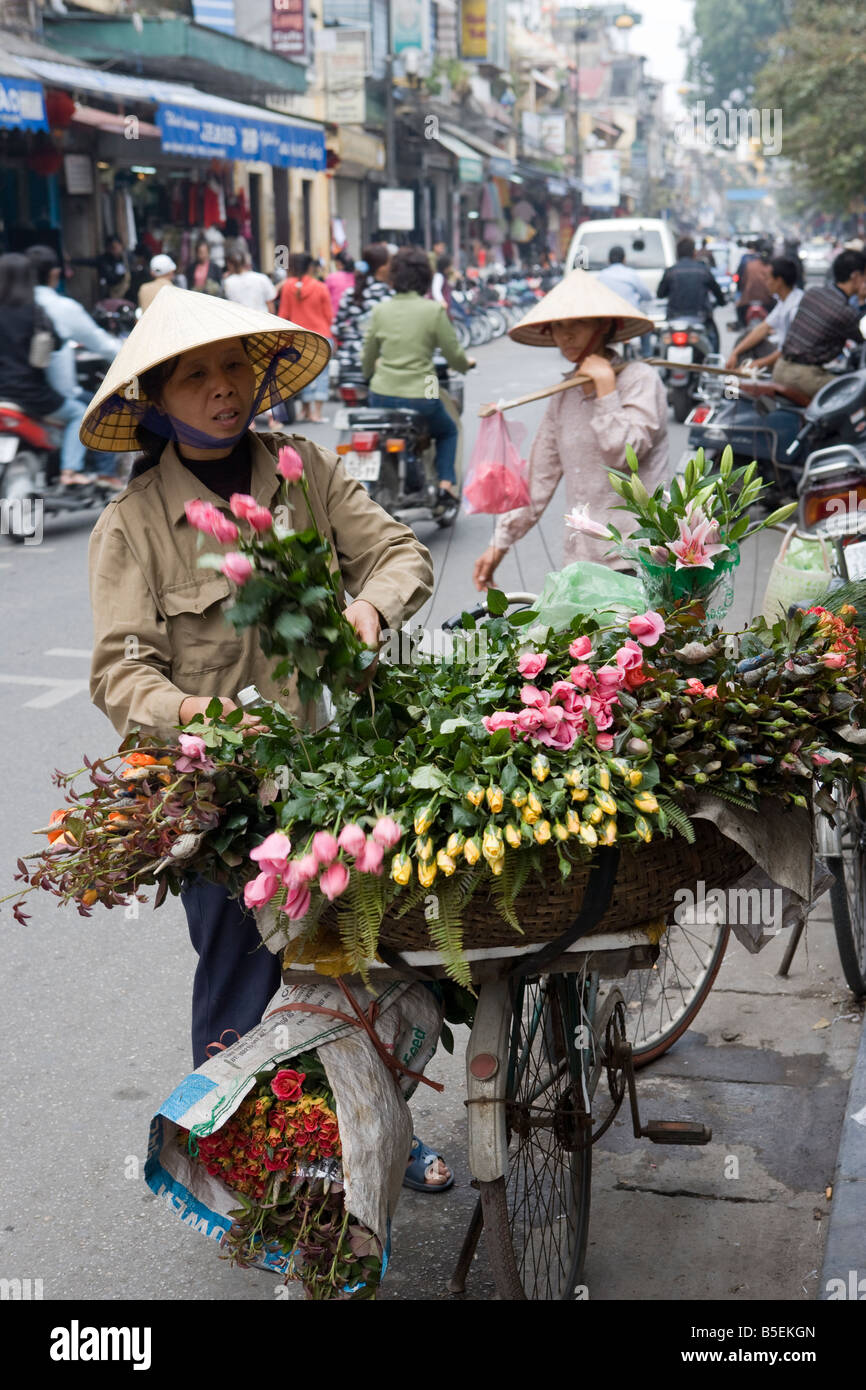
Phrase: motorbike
[391,453]
[683,341]
[777,425]
[30,462]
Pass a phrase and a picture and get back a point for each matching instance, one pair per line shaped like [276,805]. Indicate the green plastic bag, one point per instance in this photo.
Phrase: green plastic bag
[590,589]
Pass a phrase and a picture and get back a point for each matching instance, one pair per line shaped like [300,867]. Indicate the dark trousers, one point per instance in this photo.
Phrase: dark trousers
[442,428]
[236,974]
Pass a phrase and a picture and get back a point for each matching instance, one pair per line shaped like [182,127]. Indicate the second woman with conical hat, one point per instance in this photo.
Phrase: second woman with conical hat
[585,430]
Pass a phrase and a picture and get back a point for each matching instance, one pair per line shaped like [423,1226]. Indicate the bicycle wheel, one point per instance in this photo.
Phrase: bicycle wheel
[848,893]
[479,330]
[663,1002]
[536,1218]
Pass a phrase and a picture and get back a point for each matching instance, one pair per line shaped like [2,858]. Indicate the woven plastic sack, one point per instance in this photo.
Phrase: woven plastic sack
[585,587]
[802,570]
[496,481]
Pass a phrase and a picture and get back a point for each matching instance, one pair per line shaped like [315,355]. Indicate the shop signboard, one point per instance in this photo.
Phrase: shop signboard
[410,26]
[553,132]
[601,179]
[289,28]
[215,134]
[22,104]
[397,209]
[344,64]
[473,37]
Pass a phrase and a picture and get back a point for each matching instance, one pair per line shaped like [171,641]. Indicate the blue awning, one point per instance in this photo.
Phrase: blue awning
[199,124]
[223,135]
[22,104]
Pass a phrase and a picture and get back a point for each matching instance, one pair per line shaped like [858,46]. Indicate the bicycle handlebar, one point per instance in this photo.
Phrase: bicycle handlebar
[523,600]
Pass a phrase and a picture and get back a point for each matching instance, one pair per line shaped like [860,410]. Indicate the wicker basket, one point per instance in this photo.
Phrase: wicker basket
[645,888]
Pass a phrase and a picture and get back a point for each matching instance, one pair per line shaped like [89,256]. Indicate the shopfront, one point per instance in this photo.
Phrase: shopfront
[179,163]
[29,199]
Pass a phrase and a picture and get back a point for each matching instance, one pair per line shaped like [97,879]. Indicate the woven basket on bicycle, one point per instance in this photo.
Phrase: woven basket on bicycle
[649,877]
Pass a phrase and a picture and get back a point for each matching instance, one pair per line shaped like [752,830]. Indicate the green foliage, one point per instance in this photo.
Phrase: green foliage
[815,75]
[730,45]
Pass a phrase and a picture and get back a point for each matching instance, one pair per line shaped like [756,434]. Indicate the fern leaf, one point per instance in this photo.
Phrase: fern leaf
[507,886]
[735,799]
[362,908]
[446,931]
[678,819]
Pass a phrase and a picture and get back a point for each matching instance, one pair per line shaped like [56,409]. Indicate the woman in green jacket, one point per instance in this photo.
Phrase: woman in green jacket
[397,360]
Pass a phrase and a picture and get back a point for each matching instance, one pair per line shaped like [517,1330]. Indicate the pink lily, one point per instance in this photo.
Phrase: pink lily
[697,546]
[580,520]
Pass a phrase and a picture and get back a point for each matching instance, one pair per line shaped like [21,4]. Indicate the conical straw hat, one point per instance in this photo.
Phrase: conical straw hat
[579,296]
[177,321]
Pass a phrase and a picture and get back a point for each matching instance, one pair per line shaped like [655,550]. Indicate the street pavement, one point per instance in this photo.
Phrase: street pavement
[96,1017]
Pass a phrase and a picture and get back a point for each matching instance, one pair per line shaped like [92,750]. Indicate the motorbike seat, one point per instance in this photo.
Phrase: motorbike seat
[775,389]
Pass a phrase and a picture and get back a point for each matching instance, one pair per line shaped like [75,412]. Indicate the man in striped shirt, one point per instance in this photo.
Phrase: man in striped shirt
[822,325]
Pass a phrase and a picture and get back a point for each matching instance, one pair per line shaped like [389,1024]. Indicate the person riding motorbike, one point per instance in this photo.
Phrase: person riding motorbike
[72,324]
[687,285]
[822,325]
[27,385]
[783,284]
[397,359]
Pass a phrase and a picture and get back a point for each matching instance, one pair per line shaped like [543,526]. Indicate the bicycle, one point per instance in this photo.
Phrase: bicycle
[840,839]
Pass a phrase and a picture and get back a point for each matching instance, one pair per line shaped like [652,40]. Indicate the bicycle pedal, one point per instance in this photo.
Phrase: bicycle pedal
[676,1132]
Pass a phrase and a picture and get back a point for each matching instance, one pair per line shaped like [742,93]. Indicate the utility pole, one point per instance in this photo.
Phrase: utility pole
[390,141]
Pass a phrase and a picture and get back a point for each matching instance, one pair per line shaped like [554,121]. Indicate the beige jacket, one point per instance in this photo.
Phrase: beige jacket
[159,632]
[580,437]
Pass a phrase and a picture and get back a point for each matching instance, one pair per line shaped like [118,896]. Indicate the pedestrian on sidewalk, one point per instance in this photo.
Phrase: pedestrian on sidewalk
[585,430]
[306,301]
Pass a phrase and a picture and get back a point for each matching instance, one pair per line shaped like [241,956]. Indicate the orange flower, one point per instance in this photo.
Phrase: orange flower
[52,820]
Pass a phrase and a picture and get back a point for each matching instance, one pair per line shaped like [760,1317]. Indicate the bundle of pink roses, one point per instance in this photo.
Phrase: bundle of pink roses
[324,863]
[584,702]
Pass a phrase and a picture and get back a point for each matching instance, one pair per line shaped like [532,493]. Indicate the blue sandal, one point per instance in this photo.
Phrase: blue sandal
[421,1157]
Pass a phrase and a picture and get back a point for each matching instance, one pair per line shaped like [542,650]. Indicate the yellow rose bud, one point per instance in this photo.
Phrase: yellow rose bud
[593,814]
[401,868]
[603,778]
[540,767]
[513,835]
[456,841]
[427,873]
[542,832]
[424,848]
[534,804]
[575,777]
[643,828]
[495,798]
[497,865]
[472,850]
[645,801]
[606,802]
[445,863]
[579,793]
[518,798]
[620,767]
[634,778]
[475,795]
[608,832]
[528,816]
[491,843]
[572,822]
[560,831]
[588,835]
[424,818]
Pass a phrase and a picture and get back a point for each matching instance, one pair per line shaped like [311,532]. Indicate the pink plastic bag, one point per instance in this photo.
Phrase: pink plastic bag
[496,481]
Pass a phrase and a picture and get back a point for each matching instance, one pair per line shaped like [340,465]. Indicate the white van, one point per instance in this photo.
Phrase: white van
[648,244]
